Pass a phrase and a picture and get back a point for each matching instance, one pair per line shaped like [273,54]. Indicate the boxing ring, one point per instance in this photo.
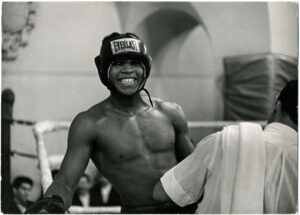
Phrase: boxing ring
[44,127]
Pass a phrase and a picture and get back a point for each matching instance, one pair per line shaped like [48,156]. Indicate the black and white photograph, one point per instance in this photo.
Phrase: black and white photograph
[149,107]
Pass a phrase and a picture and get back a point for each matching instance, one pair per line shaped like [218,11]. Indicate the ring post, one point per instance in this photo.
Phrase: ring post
[8,99]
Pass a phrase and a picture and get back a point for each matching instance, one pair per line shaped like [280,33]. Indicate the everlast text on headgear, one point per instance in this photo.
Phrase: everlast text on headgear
[124,45]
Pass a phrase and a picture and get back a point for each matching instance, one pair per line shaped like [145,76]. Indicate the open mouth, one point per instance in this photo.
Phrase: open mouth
[128,81]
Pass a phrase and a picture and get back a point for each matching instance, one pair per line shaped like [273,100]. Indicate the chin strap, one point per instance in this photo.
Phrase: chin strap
[148,96]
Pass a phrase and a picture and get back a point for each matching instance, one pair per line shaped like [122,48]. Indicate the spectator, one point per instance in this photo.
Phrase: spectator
[103,193]
[82,193]
[22,187]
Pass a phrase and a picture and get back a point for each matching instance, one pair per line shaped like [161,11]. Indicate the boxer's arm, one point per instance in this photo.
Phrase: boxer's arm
[160,194]
[75,160]
[183,144]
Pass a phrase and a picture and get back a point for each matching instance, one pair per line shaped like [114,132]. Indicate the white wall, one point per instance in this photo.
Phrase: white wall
[284,27]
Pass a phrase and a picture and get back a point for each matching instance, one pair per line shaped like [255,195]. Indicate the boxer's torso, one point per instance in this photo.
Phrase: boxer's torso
[133,150]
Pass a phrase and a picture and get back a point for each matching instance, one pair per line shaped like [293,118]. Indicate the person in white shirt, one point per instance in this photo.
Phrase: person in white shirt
[241,169]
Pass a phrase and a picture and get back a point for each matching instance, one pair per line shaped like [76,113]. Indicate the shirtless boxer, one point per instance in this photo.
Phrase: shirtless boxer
[131,138]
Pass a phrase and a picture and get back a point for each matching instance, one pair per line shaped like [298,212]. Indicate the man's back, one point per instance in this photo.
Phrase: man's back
[281,176]
[242,169]
[200,175]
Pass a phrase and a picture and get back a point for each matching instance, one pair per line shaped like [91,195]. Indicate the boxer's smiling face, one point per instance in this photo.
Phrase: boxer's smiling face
[126,76]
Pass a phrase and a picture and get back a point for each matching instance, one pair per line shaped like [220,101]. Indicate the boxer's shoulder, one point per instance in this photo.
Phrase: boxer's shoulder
[164,105]
[94,113]
[82,125]
[87,120]
[171,109]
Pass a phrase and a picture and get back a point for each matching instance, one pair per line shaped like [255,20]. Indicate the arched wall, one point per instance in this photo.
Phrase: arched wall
[227,29]
[176,36]
[176,39]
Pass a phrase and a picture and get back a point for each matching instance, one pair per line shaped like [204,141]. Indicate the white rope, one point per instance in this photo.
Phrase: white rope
[95,210]
[42,127]
[39,129]
[46,126]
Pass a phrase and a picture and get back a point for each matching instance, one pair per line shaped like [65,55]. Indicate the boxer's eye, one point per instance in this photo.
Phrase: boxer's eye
[135,62]
[118,63]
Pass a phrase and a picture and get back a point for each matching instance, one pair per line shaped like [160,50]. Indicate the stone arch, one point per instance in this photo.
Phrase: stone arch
[183,57]
[176,37]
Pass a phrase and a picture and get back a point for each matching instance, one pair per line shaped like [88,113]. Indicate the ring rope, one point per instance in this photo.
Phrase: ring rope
[39,129]
[95,210]
[42,127]
[19,121]
[14,152]
[191,124]
[23,122]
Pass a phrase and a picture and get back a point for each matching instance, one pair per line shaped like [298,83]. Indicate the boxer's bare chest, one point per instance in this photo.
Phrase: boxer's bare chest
[124,137]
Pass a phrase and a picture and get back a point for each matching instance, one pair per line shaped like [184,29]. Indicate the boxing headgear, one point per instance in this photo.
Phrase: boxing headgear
[121,46]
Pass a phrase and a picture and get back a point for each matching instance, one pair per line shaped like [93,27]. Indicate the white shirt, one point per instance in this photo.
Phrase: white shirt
[105,191]
[85,199]
[200,173]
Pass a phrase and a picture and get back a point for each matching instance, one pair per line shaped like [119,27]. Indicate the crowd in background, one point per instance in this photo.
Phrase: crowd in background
[89,193]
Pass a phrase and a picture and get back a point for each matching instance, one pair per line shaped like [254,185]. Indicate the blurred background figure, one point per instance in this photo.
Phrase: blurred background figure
[99,193]
[82,195]
[22,187]
[103,193]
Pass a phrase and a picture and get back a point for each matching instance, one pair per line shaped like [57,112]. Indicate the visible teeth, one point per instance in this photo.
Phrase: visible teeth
[127,80]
